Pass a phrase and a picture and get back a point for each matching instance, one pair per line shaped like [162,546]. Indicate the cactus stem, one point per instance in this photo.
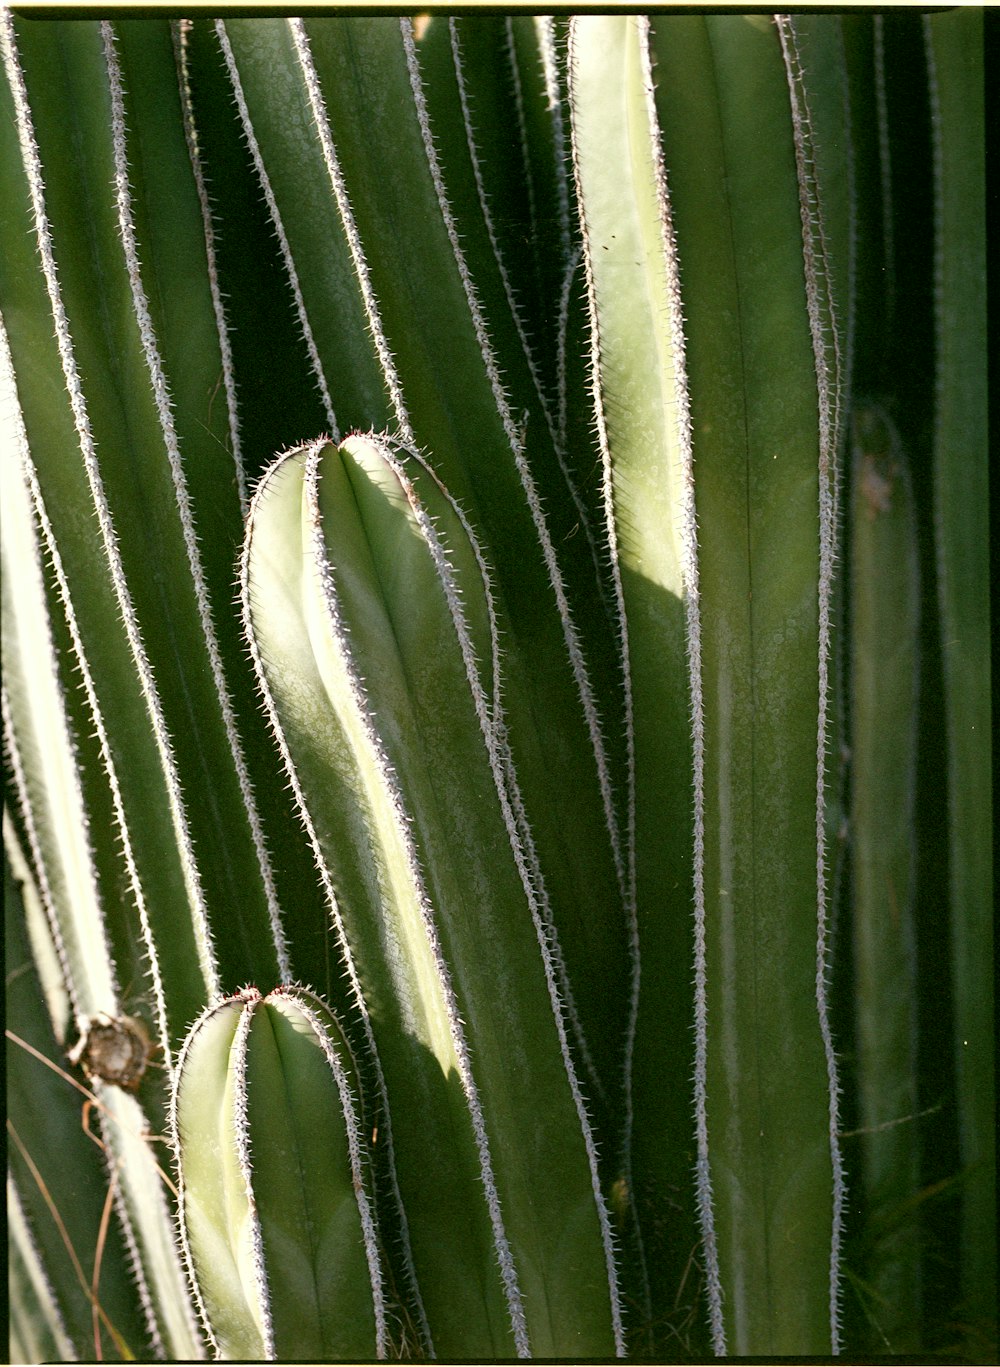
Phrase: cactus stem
[504,1255]
[88,451]
[179,31]
[279,227]
[347,958]
[97,719]
[325,135]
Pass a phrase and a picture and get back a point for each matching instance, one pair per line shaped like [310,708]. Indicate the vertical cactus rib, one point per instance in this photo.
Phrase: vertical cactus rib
[39,743]
[470,138]
[179,31]
[403,819]
[164,406]
[109,541]
[755,274]
[108,761]
[322,124]
[545,28]
[301,312]
[824,327]
[644,439]
[954,47]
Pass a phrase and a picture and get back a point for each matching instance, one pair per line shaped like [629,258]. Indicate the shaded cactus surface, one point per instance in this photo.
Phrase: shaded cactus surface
[496,659]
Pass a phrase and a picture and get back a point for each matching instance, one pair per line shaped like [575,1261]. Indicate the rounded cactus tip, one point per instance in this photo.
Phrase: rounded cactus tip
[277,1220]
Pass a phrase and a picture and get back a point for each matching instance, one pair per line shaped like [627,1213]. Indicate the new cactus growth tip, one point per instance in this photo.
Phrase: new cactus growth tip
[274,1200]
[590,410]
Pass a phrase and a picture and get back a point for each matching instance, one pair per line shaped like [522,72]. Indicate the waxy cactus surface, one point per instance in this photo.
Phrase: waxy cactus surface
[494,555]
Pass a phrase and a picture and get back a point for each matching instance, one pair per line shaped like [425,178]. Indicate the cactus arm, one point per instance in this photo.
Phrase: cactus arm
[385,615]
[397,1000]
[954,47]
[885,615]
[275,1218]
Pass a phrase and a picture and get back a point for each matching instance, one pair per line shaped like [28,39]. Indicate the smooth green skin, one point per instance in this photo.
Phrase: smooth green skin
[318,1280]
[885,617]
[454,414]
[403,645]
[637,377]
[727,143]
[961,478]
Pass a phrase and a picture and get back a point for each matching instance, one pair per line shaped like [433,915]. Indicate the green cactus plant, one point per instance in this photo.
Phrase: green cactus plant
[511,922]
[275,1218]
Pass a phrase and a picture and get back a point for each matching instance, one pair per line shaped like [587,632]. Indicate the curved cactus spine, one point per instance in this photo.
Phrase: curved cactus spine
[276,1216]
